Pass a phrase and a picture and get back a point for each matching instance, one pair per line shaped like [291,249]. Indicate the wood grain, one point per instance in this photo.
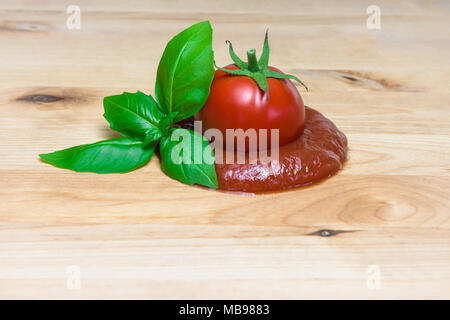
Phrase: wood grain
[143,235]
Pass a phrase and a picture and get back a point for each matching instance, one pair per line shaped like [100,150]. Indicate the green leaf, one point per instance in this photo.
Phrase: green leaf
[273,74]
[238,72]
[109,156]
[134,114]
[185,71]
[257,70]
[241,64]
[263,61]
[167,121]
[164,126]
[152,135]
[259,77]
[187,156]
[261,80]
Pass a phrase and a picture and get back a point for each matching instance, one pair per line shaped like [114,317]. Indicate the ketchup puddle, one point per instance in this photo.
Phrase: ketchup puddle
[316,155]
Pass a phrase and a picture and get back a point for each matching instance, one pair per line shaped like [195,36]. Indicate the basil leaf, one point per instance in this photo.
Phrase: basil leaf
[109,156]
[134,114]
[167,121]
[190,160]
[185,71]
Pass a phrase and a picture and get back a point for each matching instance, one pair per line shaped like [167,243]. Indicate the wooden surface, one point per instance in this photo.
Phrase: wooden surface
[143,235]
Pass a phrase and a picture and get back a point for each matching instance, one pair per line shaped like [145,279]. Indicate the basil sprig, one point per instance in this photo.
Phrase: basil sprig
[134,114]
[109,156]
[184,77]
[188,165]
[184,73]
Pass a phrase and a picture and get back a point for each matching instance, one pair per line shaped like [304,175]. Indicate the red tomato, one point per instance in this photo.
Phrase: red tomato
[237,102]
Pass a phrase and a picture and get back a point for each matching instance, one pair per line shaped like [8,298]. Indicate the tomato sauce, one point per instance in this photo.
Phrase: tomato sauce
[316,155]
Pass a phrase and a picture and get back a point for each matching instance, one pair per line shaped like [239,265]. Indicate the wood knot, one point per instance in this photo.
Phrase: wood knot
[40,98]
[325,233]
[328,232]
[370,82]
[349,78]
[32,27]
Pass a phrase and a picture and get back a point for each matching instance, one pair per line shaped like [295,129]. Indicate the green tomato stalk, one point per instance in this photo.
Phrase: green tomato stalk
[257,69]
[252,61]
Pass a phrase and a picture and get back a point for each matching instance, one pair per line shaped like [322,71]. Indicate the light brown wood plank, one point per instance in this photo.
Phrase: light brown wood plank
[143,235]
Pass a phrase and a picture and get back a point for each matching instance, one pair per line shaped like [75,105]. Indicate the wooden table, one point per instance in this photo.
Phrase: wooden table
[143,235]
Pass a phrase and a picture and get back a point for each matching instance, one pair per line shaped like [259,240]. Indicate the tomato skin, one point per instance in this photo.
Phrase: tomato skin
[237,102]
